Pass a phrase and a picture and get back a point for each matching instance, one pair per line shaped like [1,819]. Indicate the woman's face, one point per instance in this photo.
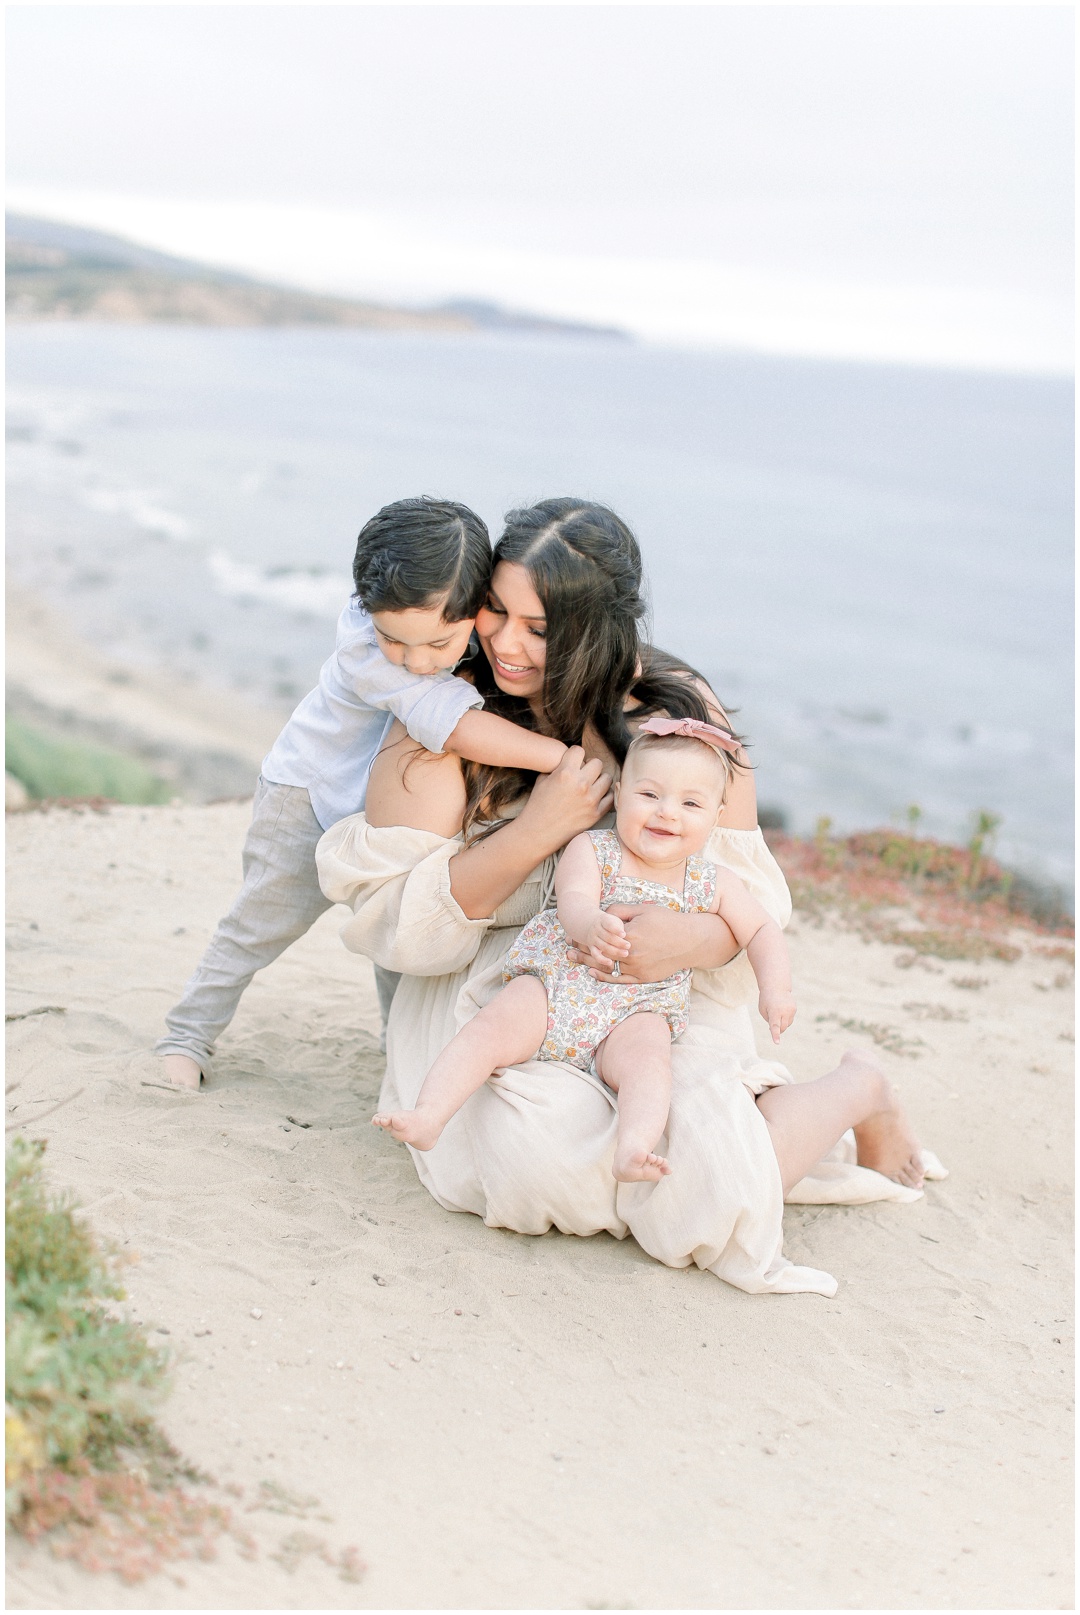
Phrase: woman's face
[512,629]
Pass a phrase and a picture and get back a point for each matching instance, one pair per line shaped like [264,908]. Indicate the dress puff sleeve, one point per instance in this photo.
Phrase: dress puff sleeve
[397,883]
[745,853]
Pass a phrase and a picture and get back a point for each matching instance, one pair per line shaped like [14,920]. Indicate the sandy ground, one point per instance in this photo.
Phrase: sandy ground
[499,1421]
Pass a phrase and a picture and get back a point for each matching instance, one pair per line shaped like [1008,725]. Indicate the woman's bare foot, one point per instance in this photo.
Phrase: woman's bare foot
[639,1166]
[885,1141]
[182,1071]
[416,1127]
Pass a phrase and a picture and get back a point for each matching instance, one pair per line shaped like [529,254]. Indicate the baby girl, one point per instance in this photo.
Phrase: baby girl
[668,802]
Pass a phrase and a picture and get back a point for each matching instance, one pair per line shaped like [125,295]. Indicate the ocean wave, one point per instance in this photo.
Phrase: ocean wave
[140,510]
[308,590]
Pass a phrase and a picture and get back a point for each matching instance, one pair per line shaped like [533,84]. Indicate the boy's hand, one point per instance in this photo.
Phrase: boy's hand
[605,938]
[779,1010]
[593,746]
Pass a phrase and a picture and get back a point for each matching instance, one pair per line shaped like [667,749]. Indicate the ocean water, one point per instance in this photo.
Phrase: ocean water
[872,564]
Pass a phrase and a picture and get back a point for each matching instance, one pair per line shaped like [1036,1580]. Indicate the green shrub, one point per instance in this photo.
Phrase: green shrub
[49,767]
[81,1381]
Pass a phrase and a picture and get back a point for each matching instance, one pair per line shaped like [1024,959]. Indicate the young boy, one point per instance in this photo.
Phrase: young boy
[421,571]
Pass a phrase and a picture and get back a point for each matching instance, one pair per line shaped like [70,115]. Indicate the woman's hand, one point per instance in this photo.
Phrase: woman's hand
[567,801]
[662,941]
[561,804]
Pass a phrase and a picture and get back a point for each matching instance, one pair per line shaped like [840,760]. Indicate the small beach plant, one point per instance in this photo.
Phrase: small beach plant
[81,1381]
[85,1461]
[56,767]
[926,895]
[984,828]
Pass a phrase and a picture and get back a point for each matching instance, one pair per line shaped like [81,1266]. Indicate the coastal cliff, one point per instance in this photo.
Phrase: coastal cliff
[59,272]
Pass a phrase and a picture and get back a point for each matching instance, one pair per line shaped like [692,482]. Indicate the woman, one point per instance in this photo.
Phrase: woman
[439,900]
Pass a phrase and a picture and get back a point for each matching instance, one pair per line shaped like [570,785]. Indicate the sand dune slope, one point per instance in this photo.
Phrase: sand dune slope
[207,743]
[497,1421]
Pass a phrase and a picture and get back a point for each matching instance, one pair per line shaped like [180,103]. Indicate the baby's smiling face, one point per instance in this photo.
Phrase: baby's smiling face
[668,800]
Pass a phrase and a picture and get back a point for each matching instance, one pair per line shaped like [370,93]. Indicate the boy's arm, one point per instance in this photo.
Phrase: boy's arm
[442,713]
[483,737]
[577,895]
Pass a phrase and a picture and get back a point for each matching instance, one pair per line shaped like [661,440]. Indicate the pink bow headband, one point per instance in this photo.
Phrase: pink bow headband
[718,739]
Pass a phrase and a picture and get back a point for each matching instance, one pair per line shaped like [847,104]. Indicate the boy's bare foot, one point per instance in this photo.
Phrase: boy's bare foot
[182,1071]
[885,1141]
[639,1166]
[415,1127]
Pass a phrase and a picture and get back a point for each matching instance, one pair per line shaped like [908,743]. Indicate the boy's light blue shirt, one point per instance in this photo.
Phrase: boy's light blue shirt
[330,742]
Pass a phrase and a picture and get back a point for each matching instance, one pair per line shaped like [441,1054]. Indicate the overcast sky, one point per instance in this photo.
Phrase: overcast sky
[918,157]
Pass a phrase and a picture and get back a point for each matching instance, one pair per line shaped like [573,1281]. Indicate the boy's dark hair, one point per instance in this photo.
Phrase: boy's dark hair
[417,552]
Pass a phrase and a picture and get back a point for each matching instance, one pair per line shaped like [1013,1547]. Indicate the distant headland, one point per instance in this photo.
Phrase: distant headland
[63,272]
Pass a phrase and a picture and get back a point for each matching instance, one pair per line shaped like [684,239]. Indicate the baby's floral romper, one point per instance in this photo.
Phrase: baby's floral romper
[581,1010]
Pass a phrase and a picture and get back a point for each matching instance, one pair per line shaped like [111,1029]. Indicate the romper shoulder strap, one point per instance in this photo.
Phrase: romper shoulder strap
[699,888]
[608,850]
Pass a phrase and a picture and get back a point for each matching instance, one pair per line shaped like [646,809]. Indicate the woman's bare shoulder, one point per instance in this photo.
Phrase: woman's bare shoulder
[414,788]
[712,701]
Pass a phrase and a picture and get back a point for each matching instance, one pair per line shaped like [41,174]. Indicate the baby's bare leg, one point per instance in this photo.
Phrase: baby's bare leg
[510,1028]
[635,1060]
[805,1120]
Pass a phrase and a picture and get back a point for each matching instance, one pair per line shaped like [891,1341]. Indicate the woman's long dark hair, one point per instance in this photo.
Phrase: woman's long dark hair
[585,565]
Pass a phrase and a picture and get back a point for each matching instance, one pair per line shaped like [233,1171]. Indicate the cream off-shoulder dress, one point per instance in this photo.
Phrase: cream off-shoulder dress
[533,1148]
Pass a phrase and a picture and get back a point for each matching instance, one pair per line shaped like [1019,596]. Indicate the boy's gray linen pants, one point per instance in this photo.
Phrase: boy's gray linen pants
[279,901]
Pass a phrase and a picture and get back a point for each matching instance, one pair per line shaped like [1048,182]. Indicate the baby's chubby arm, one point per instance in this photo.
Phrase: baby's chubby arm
[483,737]
[765,948]
[577,895]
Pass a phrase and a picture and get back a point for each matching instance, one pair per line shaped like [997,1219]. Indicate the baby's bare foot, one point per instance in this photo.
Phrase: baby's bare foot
[639,1166]
[181,1071]
[415,1127]
[885,1141]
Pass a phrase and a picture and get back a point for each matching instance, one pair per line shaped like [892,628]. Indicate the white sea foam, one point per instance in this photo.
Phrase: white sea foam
[314,592]
[140,509]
